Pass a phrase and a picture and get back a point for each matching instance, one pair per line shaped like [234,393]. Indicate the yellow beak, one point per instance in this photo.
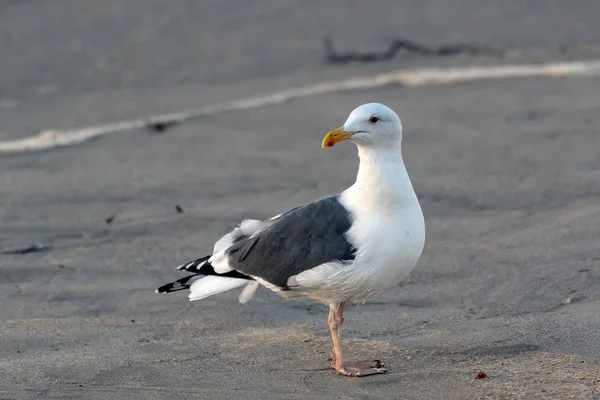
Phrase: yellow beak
[336,136]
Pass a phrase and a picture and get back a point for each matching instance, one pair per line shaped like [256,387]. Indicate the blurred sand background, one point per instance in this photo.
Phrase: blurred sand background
[508,173]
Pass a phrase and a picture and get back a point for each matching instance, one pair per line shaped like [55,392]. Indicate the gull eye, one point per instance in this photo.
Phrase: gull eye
[373,119]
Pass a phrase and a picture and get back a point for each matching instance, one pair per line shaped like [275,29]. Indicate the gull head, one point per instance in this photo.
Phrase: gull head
[370,125]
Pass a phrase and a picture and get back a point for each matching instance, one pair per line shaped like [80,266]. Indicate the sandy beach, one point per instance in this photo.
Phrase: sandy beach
[507,172]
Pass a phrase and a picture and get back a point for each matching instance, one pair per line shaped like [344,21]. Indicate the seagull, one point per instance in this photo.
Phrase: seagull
[346,248]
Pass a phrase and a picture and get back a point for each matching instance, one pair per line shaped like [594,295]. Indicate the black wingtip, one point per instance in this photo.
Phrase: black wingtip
[179,284]
[192,266]
[198,267]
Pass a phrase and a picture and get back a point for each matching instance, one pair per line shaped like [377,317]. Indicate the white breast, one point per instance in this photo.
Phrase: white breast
[389,240]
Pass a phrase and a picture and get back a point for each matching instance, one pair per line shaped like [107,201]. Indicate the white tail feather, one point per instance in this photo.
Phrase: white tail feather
[210,285]
[227,240]
[251,226]
[220,262]
[248,292]
[247,227]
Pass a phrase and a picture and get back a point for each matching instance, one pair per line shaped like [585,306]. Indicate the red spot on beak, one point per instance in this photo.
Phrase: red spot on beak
[330,144]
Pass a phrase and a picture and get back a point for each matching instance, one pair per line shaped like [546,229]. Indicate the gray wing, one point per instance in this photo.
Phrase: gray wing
[300,239]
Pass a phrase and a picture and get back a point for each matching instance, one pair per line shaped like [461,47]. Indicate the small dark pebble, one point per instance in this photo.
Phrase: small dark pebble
[178,209]
[158,126]
[18,351]
[133,320]
[61,266]
[110,219]
[481,375]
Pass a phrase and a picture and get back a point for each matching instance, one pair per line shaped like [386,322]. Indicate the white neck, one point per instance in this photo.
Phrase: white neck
[382,178]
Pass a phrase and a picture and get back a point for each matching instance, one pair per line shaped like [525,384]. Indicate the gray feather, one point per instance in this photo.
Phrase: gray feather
[300,239]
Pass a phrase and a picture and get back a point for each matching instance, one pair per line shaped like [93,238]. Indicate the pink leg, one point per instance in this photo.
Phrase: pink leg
[336,320]
[332,321]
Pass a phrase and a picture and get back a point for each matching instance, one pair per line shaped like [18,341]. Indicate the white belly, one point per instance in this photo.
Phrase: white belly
[392,243]
[389,245]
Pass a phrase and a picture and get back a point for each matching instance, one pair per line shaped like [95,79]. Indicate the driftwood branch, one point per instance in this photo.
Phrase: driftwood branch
[405,45]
